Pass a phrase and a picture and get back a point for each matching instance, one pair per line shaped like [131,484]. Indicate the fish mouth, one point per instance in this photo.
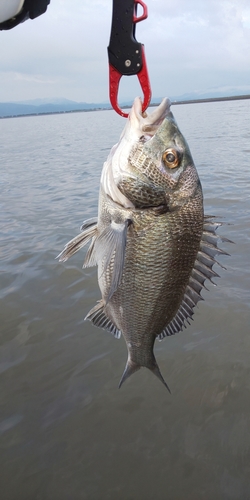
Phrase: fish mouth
[139,126]
[148,124]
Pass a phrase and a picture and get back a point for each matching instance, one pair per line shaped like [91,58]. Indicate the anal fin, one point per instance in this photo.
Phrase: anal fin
[99,318]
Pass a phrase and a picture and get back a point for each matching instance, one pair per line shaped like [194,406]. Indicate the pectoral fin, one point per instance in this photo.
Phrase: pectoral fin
[110,250]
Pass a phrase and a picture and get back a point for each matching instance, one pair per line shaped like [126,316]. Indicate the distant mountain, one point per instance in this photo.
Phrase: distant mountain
[40,106]
[214,92]
[61,105]
[46,100]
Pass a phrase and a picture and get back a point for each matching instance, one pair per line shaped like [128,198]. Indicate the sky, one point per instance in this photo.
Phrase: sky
[191,46]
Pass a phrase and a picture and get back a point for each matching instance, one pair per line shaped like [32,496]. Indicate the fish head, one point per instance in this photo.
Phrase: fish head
[151,165]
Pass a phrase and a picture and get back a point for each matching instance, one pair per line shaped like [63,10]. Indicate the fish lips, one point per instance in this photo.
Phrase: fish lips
[148,124]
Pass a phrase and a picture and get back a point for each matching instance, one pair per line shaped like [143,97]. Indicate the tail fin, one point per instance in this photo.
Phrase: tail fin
[132,367]
[158,374]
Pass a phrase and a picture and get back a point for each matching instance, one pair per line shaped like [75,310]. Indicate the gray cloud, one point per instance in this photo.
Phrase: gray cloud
[189,46]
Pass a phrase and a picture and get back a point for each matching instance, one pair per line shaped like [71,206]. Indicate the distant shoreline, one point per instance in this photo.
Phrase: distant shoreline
[214,99]
[188,101]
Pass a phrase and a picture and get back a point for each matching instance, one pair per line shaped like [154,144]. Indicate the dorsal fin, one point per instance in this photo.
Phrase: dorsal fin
[202,270]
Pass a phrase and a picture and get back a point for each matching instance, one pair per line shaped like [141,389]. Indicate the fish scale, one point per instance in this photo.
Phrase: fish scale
[151,241]
[151,259]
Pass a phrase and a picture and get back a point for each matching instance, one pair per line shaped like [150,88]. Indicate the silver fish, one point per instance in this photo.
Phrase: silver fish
[151,241]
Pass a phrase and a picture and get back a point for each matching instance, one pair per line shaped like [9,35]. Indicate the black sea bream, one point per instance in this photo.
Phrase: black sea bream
[151,241]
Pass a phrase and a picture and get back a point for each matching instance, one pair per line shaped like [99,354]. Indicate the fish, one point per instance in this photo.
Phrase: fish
[151,241]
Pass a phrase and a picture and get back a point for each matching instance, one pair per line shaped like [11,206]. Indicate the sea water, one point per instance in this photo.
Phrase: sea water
[66,431]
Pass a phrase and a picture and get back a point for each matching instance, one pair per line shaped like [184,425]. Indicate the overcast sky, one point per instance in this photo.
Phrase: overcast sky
[192,45]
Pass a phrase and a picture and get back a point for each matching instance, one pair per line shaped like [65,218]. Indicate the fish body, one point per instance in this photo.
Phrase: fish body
[152,244]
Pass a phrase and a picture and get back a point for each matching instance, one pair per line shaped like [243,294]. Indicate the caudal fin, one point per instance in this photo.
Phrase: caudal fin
[157,373]
[132,367]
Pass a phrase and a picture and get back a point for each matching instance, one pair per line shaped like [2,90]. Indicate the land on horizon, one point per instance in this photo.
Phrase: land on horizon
[62,105]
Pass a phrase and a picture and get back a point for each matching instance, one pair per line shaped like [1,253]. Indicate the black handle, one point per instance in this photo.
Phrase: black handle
[124,52]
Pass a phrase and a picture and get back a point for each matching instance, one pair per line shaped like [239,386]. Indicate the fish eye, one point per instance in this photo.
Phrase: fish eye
[171,158]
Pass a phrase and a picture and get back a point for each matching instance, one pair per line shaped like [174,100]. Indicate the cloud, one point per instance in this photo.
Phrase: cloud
[189,45]
[197,44]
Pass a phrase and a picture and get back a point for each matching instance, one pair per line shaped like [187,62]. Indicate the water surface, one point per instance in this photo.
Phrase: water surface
[66,431]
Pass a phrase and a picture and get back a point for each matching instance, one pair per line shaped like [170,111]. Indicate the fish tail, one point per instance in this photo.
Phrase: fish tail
[156,371]
[132,367]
